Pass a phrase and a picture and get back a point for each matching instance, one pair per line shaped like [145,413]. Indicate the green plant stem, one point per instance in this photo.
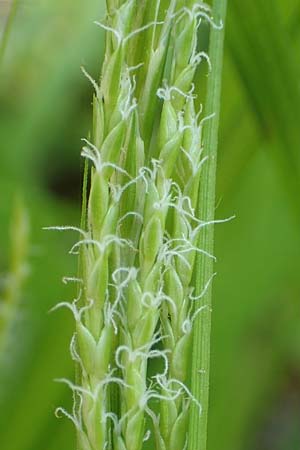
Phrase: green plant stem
[8,28]
[204,267]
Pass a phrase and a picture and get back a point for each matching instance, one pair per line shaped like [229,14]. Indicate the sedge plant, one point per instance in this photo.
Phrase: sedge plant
[148,199]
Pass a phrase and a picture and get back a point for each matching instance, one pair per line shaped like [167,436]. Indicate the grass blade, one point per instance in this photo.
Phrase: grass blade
[204,267]
[8,28]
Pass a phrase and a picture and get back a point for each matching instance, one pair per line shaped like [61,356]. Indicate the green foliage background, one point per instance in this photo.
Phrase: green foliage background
[45,110]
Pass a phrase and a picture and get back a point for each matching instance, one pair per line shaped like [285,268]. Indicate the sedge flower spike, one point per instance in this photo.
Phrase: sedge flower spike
[139,235]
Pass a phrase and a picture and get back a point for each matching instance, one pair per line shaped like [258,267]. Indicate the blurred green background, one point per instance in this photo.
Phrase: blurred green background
[45,110]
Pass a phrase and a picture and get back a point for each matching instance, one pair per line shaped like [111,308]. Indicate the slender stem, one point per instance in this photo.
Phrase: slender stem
[204,266]
[8,28]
